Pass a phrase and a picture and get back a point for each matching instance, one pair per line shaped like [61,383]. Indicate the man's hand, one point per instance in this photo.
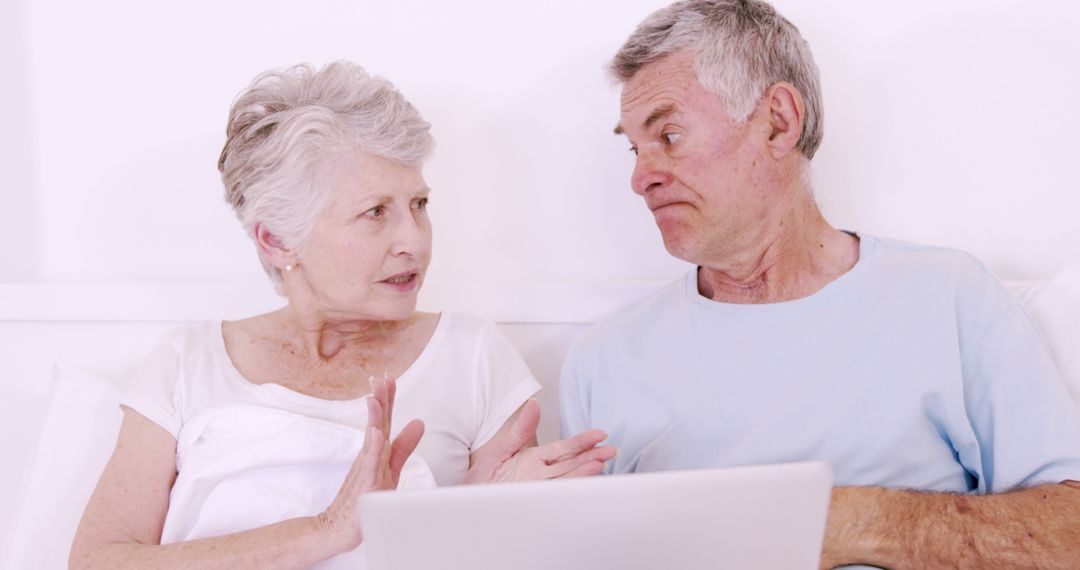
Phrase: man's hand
[512,456]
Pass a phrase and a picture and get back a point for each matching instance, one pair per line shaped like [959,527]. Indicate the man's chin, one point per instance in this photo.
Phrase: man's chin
[681,248]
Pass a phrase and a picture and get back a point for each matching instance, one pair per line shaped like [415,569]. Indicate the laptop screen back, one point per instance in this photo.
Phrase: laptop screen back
[747,517]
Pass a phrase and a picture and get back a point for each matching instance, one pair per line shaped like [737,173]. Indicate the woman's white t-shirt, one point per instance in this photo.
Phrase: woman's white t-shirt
[249,454]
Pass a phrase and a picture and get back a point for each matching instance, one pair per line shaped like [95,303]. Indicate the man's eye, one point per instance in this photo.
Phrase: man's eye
[670,138]
[633,149]
[376,212]
[421,204]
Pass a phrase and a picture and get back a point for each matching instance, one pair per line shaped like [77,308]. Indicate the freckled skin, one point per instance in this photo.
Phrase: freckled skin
[715,172]
[341,313]
[732,197]
[349,251]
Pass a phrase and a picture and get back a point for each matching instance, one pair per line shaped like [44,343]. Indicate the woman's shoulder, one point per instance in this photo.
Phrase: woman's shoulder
[192,338]
[192,346]
[465,327]
[473,337]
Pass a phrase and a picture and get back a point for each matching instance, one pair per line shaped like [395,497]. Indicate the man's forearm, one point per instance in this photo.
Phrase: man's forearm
[1032,528]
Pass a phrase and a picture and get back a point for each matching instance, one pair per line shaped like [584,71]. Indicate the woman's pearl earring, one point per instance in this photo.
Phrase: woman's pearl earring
[289,267]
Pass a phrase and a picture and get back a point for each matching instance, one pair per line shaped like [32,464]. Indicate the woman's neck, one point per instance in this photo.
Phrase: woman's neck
[323,336]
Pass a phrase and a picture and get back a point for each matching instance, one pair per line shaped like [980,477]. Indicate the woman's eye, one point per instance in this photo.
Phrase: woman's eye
[421,204]
[376,212]
[670,138]
[633,149]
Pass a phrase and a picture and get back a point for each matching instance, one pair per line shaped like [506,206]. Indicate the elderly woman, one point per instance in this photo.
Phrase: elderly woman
[241,440]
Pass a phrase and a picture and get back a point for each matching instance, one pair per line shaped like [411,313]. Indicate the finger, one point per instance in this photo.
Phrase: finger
[384,454]
[378,389]
[600,454]
[516,434]
[372,411]
[391,391]
[381,389]
[587,470]
[571,447]
[404,445]
[357,466]
[376,414]
[369,461]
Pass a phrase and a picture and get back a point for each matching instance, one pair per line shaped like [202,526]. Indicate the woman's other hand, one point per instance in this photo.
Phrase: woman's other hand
[512,454]
[377,467]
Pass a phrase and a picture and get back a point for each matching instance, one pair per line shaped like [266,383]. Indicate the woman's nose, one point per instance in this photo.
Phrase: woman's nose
[412,236]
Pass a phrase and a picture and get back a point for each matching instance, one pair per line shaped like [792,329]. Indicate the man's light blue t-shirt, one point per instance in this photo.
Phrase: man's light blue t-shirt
[916,369]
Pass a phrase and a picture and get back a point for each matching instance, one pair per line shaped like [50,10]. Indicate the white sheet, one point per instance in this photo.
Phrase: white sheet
[242,467]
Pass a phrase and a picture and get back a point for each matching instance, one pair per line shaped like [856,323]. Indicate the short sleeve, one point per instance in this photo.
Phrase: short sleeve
[152,387]
[573,418]
[504,383]
[1025,422]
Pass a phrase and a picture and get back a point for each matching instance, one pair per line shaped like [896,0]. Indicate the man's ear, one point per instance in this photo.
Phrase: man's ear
[272,248]
[787,113]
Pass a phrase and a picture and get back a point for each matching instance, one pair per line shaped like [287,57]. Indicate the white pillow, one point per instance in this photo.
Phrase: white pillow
[1055,306]
[79,435]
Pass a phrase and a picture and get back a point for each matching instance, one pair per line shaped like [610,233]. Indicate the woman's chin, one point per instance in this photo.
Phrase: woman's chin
[385,306]
[398,307]
[394,310]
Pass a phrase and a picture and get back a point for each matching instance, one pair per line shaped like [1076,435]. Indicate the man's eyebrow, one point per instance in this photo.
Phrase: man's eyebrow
[657,114]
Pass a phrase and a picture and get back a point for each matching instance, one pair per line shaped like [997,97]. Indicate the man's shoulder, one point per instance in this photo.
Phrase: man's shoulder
[944,273]
[632,321]
[905,254]
[953,268]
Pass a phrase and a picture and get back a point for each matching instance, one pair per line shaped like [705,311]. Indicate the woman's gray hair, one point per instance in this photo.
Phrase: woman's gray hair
[741,48]
[283,125]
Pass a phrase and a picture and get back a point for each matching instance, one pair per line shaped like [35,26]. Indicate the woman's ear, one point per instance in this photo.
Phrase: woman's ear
[272,248]
[787,113]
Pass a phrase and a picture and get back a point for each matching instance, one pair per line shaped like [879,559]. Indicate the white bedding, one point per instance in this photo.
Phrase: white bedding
[246,466]
[75,414]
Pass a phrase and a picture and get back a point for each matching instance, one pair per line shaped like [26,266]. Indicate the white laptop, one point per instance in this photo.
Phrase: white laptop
[758,517]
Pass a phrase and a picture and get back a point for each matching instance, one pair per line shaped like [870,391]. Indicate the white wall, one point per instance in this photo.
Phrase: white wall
[18,200]
[947,122]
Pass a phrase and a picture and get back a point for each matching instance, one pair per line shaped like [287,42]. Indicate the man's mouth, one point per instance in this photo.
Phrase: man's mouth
[657,207]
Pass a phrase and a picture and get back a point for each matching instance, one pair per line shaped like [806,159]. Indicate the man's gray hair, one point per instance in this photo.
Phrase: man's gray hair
[283,125]
[741,48]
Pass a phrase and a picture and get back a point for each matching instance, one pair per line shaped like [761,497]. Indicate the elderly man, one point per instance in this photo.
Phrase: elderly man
[909,368]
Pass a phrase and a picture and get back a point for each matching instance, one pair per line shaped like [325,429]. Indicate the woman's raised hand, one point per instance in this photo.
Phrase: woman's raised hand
[512,456]
[377,467]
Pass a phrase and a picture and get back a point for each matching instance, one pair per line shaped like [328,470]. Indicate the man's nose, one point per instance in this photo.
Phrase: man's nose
[650,172]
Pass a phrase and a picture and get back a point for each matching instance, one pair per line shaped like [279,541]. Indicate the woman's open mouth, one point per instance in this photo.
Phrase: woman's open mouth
[403,282]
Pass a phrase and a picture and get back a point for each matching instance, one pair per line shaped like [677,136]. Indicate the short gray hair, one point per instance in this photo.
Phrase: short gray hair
[741,48]
[286,122]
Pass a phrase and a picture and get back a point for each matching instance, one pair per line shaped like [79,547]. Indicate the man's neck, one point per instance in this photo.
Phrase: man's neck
[803,255]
